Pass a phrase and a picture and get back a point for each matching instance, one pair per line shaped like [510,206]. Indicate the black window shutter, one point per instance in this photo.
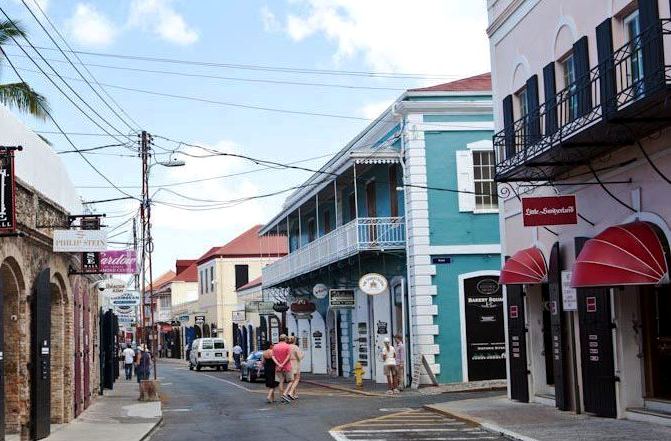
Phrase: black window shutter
[550,91]
[533,116]
[581,58]
[651,44]
[508,120]
[607,79]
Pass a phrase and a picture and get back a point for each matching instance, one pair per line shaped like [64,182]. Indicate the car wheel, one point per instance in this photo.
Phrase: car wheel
[198,367]
[218,368]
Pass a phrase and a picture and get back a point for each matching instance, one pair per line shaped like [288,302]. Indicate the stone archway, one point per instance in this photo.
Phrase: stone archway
[57,354]
[15,344]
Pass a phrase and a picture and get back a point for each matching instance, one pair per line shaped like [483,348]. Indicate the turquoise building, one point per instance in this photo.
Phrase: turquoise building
[398,234]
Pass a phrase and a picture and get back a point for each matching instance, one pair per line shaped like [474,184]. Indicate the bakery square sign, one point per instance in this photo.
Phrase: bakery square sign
[549,210]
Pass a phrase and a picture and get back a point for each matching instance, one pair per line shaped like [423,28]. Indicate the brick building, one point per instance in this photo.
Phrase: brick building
[43,201]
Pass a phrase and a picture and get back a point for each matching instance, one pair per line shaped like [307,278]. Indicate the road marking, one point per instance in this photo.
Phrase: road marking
[231,383]
[176,410]
[166,384]
[396,409]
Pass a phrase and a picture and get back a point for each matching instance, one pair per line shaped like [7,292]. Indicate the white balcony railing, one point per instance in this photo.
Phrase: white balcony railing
[362,234]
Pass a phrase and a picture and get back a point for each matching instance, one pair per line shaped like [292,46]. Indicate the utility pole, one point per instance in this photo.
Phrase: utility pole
[137,279]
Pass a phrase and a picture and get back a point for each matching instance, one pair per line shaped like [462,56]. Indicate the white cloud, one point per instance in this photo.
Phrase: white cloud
[270,21]
[431,36]
[159,17]
[89,27]
[373,110]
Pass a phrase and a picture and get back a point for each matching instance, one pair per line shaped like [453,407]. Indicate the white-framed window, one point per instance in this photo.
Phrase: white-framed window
[475,178]
[632,30]
[212,278]
[522,102]
[569,108]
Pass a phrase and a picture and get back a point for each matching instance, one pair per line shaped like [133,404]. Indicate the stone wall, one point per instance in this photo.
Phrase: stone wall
[21,260]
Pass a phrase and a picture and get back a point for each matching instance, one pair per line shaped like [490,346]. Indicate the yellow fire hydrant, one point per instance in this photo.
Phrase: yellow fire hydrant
[358,375]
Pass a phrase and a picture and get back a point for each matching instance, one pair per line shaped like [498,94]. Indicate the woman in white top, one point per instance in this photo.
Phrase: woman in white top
[389,359]
[296,358]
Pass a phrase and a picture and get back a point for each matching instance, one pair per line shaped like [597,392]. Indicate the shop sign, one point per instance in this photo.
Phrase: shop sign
[112,287]
[73,241]
[280,307]
[123,309]
[128,298]
[91,263]
[341,298]
[7,192]
[373,284]
[239,316]
[382,328]
[549,210]
[183,318]
[303,307]
[569,295]
[487,287]
[118,262]
[320,291]
[199,319]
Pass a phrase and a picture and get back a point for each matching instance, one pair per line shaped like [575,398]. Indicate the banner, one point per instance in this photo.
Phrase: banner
[72,241]
[549,210]
[7,192]
[118,262]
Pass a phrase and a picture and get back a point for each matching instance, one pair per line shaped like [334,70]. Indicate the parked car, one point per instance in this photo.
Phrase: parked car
[208,352]
[252,368]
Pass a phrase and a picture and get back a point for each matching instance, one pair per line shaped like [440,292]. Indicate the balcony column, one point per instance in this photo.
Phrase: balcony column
[317,215]
[335,201]
[288,235]
[300,229]
[356,195]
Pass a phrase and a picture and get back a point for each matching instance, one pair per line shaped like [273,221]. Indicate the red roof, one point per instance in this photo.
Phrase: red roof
[249,244]
[478,83]
[161,280]
[252,284]
[190,274]
[183,264]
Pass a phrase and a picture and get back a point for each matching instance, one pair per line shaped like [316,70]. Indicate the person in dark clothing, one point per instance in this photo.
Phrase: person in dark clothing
[269,371]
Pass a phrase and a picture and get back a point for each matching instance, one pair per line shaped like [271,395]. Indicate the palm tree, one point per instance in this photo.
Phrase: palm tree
[20,95]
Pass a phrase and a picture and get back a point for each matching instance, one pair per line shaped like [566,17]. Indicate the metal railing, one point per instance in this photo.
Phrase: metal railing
[587,100]
[362,234]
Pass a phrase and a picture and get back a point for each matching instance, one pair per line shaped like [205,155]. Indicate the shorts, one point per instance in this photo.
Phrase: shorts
[295,368]
[284,376]
[390,369]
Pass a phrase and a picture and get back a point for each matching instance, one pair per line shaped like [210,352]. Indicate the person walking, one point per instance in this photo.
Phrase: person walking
[296,358]
[237,352]
[400,362]
[389,361]
[269,371]
[282,359]
[128,357]
[142,364]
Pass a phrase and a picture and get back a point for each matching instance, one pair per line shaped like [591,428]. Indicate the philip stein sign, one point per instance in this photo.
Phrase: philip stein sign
[72,241]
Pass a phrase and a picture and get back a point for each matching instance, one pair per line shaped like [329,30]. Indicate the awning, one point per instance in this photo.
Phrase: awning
[629,254]
[166,327]
[524,267]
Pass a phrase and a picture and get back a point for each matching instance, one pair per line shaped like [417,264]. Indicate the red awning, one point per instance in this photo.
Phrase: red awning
[166,327]
[524,267]
[629,254]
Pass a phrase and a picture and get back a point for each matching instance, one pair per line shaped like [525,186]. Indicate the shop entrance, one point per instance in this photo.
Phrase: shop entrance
[655,311]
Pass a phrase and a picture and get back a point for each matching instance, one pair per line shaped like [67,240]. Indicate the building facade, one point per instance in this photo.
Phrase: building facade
[41,300]
[581,111]
[411,199]
[257,322]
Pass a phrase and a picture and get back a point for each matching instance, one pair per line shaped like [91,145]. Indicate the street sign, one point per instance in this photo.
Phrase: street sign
[549,210]
[341,298]
[72,241]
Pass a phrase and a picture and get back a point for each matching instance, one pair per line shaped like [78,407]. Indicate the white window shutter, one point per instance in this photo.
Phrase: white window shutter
[465,180]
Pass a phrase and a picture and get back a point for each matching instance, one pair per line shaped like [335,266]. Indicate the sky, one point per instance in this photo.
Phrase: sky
[441,39]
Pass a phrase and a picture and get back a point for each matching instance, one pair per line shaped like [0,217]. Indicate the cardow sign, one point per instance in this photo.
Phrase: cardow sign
[549,210]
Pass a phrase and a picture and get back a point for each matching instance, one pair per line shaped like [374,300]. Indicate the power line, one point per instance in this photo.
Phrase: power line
[266,68]
[73,64]
[92,148]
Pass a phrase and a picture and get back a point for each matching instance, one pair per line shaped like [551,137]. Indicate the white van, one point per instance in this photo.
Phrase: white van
[209,352]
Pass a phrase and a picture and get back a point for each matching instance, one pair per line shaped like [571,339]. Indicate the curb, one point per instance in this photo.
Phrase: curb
[485,425]
[343,389]
[153,429]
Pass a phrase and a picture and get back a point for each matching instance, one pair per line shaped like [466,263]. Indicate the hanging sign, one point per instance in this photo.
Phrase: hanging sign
[112,287]
[199,319]
[373,284]
[341,298]
[128,298]
[320,291]
[118,262]
[7,192]
[280,307]
[91,263]
[239,316]
[72,241]
[569,295]
[549,210]
[303,307]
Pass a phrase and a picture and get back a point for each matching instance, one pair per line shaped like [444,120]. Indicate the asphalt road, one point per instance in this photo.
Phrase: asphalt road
[211,405]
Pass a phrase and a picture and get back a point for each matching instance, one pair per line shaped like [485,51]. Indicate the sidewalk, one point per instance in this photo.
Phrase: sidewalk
[117,415]
[529,422]
[378,389]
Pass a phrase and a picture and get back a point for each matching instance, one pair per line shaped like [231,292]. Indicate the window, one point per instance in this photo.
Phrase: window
[219,344]
[241,275]
[393,193]
[207,344]
[327,221]
[212,278]
[311,229]
[200,281]
[632,26]
[522,102]
[569,103]
[483,179]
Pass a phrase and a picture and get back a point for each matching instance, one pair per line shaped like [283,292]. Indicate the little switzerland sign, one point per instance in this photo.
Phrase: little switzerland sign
[549,210]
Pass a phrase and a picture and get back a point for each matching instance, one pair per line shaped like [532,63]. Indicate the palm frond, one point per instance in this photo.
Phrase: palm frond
[9,29]
[23,98]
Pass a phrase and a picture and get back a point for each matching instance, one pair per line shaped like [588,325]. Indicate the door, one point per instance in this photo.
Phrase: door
[656,309]
[517,347]
[318,343]
[304,341]
[371,211]
[558,332]
[86,343]
[78,350]
[2,362]
[40,387]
